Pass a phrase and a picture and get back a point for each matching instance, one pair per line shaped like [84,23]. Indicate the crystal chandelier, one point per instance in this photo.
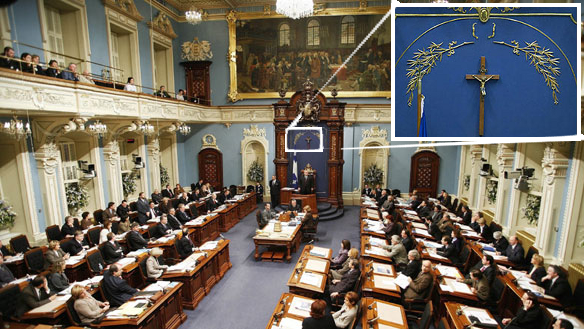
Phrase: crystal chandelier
[97,128]
[184,129]
[17,129]
[295,8]
[145,128]
[194,16]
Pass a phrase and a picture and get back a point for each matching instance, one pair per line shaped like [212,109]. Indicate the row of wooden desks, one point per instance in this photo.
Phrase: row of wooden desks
[288,238]
[309,277]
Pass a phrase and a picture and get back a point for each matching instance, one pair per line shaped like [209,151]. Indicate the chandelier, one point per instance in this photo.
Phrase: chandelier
[184,129]
[145,128]
[97,128]
[17,129]
[295,8]
[194,16]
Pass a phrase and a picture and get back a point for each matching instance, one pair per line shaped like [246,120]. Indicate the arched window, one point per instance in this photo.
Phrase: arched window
[284,35]
[313,33]
[347,30]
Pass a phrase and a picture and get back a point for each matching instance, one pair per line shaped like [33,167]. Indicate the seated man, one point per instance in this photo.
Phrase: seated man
[181,214]
[174,223]
[514,251]
[529,316]
[488,267]
[71,73]
[184,198]
[75,246]
[479,284]
[116,290]
[135,239]
[557,286]
[162,228]
[294,206]
[397,251]
[347,281]
[156,196]
[212,203]
[6,275]
[447,250]
[267,214]
[35,294]
[420,287]
[111,250]
[563,324]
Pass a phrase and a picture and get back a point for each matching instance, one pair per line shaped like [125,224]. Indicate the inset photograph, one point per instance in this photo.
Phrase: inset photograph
[463,73]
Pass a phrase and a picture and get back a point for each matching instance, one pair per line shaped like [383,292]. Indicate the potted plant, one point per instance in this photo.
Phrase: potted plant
[255,173]
[373,175]
[77,197]
[7,215]
[531,209]
[129,183]
[164,177]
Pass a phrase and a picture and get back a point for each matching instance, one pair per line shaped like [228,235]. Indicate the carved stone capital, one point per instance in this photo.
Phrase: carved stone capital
[111,152]
[505,156]
[554,163]
[374,132]
[254,131]
[48,157]
[153,148]
[476,153]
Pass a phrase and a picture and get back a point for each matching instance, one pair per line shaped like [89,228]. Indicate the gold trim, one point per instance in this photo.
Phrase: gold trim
[473,31]
[232,17]
[492,15]
[492,35]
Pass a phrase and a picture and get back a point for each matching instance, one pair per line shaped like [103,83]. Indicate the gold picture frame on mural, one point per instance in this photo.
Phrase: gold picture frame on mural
[270,52]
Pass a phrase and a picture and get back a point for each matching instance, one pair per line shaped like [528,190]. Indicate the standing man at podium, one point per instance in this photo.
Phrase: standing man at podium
[275,191]
[306,183]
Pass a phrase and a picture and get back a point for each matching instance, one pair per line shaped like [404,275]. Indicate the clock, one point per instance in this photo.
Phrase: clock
[209,141]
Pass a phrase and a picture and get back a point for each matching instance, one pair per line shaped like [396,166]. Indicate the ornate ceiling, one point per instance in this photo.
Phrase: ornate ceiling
[184,5]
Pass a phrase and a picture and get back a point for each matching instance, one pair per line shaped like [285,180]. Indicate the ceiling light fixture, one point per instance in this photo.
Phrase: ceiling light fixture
[194,16]
[295,8]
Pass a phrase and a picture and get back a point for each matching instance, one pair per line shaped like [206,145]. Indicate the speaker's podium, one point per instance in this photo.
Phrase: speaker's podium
[289,193]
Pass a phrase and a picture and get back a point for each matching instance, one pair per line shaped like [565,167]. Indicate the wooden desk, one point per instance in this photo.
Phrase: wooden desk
[207,231]
[453,296]
[247,204]
[198,281]
[17,267]
[169,251]
[291,242]
[228,217]
[388,315]
[374,281]
[477,249]
[166,313]
[309,264]
[131,272]
[78,271]
[368,250]
[512,302]
[314,251]
[372,233]
[283,309]
[457,319]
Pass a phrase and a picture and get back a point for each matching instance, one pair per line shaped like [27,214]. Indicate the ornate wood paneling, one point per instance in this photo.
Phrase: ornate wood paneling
[211,167]
[198,81]
[425,167]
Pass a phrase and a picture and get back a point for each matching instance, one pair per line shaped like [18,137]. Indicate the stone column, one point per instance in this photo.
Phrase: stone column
[48,161]
[153,148]
[505,156]
[476,152]
[111,153]
[555,166]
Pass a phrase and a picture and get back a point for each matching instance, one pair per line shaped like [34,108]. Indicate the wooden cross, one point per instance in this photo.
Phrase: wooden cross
[482,77]
[308,139]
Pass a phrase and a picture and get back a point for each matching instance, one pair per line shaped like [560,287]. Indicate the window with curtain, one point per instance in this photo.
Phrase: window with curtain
[348,30]
[313,33]
[55,35]
[284,35]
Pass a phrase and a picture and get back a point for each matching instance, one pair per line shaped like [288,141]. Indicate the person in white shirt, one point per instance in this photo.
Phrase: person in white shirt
[107,228]
[345,316]
[180,95]
[130,85]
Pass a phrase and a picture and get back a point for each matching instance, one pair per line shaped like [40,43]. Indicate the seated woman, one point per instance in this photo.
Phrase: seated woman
[185,246]
[124,225]
[68,229]
[57,279]
[153,268]
[338,274]
[130,85]
[338,261]
[529,316]
[457,240]
[107,228]
[54,254]
[86,220]
[318,318]
[345,316]
[88,308]
[537,270]
[164,205]
[26,64]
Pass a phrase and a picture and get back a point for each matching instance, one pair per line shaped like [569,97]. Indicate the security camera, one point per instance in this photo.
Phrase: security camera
[521,184]
[486,170]
[88,169]
[512,174]
[138,164]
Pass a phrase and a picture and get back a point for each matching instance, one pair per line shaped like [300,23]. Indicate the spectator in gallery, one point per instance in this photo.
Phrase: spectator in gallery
[180,95]
[130,85]
[71,73]
[26,64]
[7,61]
[162,92]
[38,69]
[86,78]
[53,69]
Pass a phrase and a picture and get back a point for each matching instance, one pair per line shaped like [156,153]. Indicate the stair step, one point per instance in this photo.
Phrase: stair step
[327,212]
[322,206]
[335,215]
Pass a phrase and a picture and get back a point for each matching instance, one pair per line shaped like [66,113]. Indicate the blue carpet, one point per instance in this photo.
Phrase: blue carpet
[248,293]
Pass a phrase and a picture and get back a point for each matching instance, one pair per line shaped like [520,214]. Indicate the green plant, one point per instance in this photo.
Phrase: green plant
[466,182]
[164,177]
[373,175]
[77,196]
[7,216]
[531,209]
[255,173]
[129,183]
[492,186]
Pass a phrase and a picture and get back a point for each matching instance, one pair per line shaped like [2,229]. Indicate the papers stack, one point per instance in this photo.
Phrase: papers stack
[422,231]
[14,258]
[377,241]
[449,271]
[384,269]
[402,281]
[390,313]
[209,245]
[311,279]
[300,306]
[165,239]
[384,282]
[289,323]
[377,251]
[429,244]
[480,316]
[74,260]
[319,252]
[316,265]
[126,261]
[435,255]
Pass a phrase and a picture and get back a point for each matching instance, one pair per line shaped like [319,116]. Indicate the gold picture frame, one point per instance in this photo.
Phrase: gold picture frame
[232,17]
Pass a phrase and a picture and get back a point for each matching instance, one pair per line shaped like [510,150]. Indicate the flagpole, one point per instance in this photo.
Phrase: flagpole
[419,104]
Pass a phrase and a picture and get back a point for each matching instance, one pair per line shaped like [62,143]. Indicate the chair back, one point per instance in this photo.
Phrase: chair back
[95,261]
[10,301]
[547,319]
[443,324]
[93,235]
[34,260]
[426,317]
[151,231]
[20,244]
[578,298]
[357,317]
[530,252]
[259,218]
[98,216]
[458,210]
[454,205]
[115,225]
[143,270]
[250,188]
[72,314]
[495,227]
[464,257]
[233,190]
[53,232]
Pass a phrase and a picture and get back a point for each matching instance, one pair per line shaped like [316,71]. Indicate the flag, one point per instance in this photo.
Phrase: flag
[423,130]
[294,172]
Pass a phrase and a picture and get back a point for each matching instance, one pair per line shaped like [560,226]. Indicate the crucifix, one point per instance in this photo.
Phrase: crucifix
[482,77]
[308,139]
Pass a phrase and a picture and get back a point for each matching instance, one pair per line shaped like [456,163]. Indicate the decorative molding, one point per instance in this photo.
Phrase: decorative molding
[554,164]
[253,134]
[425,148]
[374,137]
[209,141]
[124,7]
[48,158]
[161,24]
[476,152]
[374,132]
[505,157]
[111,152]
[196,50]
[254,131]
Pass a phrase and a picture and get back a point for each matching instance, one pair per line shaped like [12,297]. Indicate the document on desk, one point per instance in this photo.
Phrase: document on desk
[133,308]
[402,281]
[384,282]
[377,241]
[209,245]
[419,225]
[429,244]
[435,255]
[460,287]
[386,326]
[74,260]
[377,251]
[316,265]
[448,271]
[289,323]
[14,258]
[320,252]
[311,279]
[384,269]
[300,306]
[482,315]
[390,313]
[48,307]
[126,261]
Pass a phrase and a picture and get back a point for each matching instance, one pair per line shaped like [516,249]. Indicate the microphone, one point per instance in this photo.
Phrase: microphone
[283,301]
[373,320]
[370,307]
[459,311]
[470,325]
[278,315]
[221,236]
[370,262]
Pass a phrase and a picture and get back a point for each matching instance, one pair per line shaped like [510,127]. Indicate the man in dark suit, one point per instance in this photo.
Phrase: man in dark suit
[447,250]
[143,209]
[259,189]
[212,203]
[424,210]
[198,185]
[156,196]
[414,265]
[181,214]
[123,210]
[466,215]
[294,206]
[445,199]
[528,316]
[267,214]
[153,213]
[500,242]
[306,183]
[183,198]
[111,250]
[162,228]
[167,192]
[110,212]
[488,268]
[35,294]
[347,281]
[515,253]
[185,246]
[174,223]
[135,239]
[382,197]
[6,275]
[71,73]
[75,246]
[366,190]
[556,285]
[419,287]
[7,61]
[415,203]
[116,290]
[275,191]
[484,230]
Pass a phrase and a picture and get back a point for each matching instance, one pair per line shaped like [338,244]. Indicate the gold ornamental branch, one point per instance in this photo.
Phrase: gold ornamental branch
[542,59]
[424,60]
